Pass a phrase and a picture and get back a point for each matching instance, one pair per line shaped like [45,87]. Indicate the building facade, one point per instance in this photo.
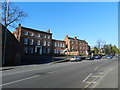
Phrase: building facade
[38,42]
[58,46]
[76,46]
[34,41]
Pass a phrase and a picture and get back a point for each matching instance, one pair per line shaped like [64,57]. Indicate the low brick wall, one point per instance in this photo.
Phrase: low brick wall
[76,53]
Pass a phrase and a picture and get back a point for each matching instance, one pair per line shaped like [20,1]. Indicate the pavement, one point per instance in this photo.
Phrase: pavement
[83,74]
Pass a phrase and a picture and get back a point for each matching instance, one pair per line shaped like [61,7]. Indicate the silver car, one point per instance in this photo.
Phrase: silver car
[75,59]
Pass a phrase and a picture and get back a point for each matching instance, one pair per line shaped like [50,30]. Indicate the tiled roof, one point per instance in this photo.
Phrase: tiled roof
[77,39]
[34,30]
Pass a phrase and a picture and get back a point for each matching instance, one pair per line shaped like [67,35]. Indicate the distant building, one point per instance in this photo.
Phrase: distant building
[76,46]
[58,46]
[12,49]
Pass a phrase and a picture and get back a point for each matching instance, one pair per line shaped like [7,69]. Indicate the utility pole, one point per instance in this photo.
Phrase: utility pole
[5,34]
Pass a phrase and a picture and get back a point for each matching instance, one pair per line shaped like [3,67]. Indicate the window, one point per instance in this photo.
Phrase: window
[58,44]
[31,34]
[63,45]
[25,41]
[44,43]
[54,50]
[25,49]
[31,41]
[44,36]
[55,44]
[31,49]
[48,43]
[72,47]
[38,42]
[44,50]
[48,37]
[48,50]
[38,35]
[25,33]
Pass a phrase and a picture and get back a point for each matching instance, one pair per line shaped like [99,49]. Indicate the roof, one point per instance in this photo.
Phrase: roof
[77,39]
[35,30]
[57,40]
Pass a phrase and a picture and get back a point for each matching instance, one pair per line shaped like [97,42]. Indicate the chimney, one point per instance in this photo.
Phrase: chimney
[66,35]
[19,25]
[48,30]
[75,37]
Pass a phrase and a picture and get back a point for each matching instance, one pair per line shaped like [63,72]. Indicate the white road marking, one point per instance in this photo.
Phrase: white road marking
[96,76]
[20,80]
[90,82]
[87,77]
[96,68]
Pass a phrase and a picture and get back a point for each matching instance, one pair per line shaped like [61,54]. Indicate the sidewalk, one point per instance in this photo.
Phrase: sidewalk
[21,66]
[110,80]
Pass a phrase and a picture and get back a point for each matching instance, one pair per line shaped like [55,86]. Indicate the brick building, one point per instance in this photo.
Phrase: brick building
[76,46]
[58,46]
[38,42]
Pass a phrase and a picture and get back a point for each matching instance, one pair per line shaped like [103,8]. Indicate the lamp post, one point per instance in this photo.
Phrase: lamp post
[5,34]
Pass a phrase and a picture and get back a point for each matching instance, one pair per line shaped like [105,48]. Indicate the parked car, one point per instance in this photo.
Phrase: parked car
[97,57]
[107,57]
[75,59]
[89,58]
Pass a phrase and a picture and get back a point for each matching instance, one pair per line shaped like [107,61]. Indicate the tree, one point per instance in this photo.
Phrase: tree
[11,14]
[96,50]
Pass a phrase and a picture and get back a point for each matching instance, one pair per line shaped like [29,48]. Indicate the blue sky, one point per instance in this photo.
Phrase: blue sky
[86,20]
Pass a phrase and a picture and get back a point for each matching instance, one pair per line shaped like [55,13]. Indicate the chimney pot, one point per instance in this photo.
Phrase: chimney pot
[48,30]
[75,37]
[19,25]
[66,35]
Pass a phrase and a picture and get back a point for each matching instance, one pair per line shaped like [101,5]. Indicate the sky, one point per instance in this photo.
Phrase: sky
[90,21]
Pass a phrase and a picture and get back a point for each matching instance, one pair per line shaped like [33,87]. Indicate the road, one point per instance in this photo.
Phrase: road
[83,74]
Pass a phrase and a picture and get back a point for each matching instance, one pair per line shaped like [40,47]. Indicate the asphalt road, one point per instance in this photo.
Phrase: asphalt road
[83,74]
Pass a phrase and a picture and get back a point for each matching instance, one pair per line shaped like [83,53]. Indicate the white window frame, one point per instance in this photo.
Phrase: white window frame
[48,36]
[31,41]
[31,34]
[25,33]
[48,50]
[38,42]
[38,35]
[48,43]
[44,43]
[25,40]
[45,36]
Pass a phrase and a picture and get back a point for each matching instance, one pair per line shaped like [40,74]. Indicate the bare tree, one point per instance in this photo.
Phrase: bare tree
[11,14]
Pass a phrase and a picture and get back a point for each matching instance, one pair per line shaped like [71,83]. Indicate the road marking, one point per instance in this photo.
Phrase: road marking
[90,82]
[96,68]
[87,77]
[20,80]
[96,76]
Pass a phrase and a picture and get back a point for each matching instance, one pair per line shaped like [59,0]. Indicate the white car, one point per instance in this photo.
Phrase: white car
[73,59]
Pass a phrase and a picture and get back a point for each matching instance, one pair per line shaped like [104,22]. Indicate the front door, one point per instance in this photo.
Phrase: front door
[38,49]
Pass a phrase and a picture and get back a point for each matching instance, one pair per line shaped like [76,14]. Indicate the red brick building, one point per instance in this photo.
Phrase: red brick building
[58,46]
[38,42]
[76,46]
